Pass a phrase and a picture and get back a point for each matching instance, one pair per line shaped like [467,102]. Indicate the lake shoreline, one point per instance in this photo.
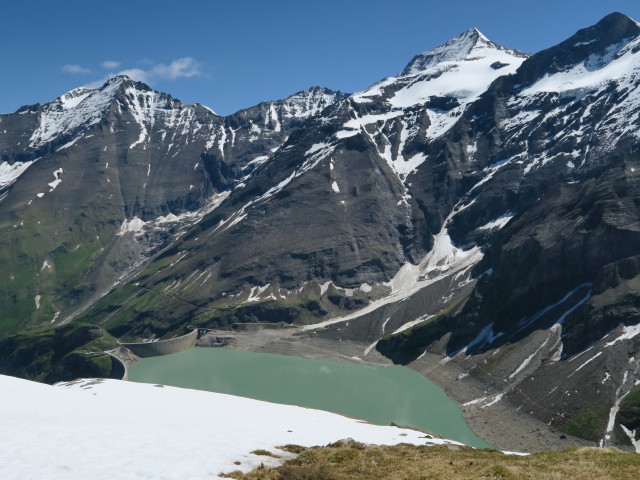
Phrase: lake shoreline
[501,425]
[381,395]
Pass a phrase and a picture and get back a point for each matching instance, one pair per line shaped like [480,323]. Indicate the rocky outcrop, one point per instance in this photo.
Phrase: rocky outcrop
[60,354]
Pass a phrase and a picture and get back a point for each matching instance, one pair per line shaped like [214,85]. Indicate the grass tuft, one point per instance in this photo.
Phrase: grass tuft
[265,453]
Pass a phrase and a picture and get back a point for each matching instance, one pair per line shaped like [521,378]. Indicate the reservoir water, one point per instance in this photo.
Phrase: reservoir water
[380,395]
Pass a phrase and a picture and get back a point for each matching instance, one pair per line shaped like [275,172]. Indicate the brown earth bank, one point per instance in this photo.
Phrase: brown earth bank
[499,424]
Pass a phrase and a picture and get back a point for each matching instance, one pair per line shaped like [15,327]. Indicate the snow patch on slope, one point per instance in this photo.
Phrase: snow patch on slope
[57,174]
[627,334]
[554,335]
[138,431]
[184,220]
[9,173]
[497,223]
[134,225]
[615,63]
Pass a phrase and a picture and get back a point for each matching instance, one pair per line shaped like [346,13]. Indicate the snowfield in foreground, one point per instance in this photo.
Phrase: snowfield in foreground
[111,429]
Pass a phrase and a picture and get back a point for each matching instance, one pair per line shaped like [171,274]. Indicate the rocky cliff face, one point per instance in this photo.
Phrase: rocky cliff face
[481,206]
[96,181]
[333,213]
[555,306]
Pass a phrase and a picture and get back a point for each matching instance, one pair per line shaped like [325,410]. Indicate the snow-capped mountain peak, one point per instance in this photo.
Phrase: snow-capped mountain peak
[83,107]
[78,108]
[599,40]
[119,79]
[469,45]
[444,80]
[308,102]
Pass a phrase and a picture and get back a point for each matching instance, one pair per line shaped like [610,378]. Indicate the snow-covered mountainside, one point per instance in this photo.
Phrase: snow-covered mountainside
[471,45]
[497,187]
[558,143]
[113,429]
[444,80]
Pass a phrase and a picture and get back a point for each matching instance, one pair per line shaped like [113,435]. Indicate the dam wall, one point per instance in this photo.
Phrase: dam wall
[118,368]
[163,347]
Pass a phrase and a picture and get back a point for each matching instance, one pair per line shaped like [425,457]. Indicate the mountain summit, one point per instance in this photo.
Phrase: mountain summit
[471,44]
[604,40]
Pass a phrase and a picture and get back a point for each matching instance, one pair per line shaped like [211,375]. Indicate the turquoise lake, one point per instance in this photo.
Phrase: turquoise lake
[381,395]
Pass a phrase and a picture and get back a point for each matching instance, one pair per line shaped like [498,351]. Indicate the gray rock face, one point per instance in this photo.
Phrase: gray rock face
[552,311]
[334,204]
[96,181]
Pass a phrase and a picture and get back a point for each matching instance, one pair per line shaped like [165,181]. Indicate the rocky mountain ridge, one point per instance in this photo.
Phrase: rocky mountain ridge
[122,170]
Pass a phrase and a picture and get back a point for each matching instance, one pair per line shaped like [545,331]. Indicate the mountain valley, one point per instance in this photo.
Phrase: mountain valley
[475,217]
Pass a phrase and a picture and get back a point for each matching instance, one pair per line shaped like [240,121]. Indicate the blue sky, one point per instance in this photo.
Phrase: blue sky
[231,54]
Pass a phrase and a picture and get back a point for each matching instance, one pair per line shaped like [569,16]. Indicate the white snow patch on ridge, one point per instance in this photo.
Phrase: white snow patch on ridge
[586,363]
[9,173]
[410,324]
[498,223]
[554,333]
[359,122]
[463,79]
[526,322]
[135,225]
[632,437]
[627,334]
[70,112]
[495,400]
[617,62]
[105,429]
[254,294]
[485,337]
[316,147]
[74,97]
